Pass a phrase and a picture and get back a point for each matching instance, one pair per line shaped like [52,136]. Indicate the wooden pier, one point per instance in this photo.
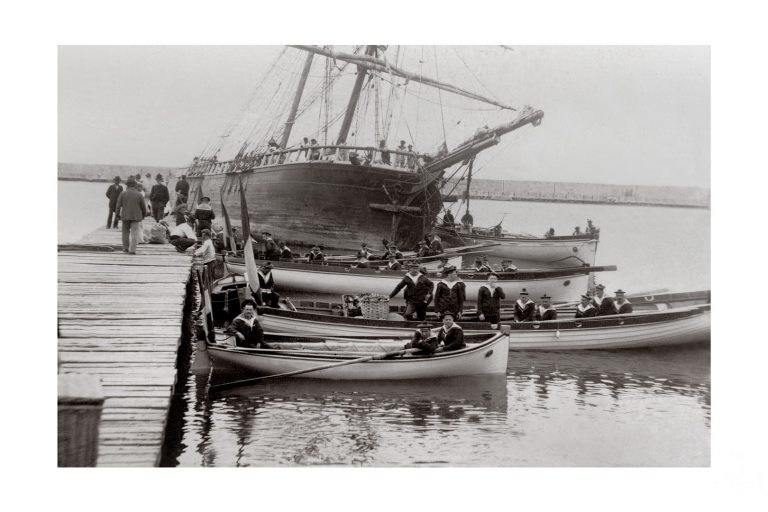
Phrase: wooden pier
[120,319]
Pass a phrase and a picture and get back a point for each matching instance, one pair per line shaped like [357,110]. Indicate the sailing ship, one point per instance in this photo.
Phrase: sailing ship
[340,190]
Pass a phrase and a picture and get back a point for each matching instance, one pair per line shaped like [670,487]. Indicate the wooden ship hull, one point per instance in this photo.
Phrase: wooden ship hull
[488,357]
[636,330]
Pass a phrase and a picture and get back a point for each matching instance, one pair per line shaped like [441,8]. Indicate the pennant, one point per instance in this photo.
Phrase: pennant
[229,237]
[251,269]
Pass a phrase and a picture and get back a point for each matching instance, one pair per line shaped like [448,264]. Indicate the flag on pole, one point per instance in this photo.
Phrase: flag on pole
[251,270]
[229,237]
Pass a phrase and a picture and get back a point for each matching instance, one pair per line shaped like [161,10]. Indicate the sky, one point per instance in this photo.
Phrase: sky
[612,114]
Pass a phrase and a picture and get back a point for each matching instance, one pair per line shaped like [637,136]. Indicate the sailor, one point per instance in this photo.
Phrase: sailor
[623,306]
[384,152]
[267,286]
[450,293]
[507,266]
[467,221]
[400,157]
[585,309]
[525,308]
[392,251]
[577,231]
[423,339]
[591,228]
[204,214]
[411,157]
[443,263]
[285,252]
[393,263]
[545,311]
[450,334]
[417,294]
[422,250]
[436,247]
[603,304]
[362,262]
[364,251]
[316,255]
[489,300]
[448,220]
[246,327]
[481,267]
[271,250]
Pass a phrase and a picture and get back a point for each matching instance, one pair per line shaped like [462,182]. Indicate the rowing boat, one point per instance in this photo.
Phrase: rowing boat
[563,285]
[487,357]
[690,324]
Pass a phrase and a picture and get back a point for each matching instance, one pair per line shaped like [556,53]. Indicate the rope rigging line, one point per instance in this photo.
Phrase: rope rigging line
[440,95]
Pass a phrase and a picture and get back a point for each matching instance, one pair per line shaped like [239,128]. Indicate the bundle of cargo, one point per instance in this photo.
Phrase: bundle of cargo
[374,306]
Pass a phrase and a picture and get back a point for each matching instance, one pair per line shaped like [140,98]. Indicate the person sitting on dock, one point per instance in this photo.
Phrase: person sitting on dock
[489,300]
[393,263]
[450,334]
[550,233]
[585,309]
[507,266]
[603,304]
[450,293]
[424,340]
[577,231]
[246,327]
[315,255]
[267,286]
[481,267]
[417,294]
[436,247]
[545,311]
[400,157]
[271,250]
[183,235]
[622,305]
[467,221]
[113,192]
[525,308]
[204,214]
[285,252]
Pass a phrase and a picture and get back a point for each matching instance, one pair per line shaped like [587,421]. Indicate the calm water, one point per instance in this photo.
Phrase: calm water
[599,408]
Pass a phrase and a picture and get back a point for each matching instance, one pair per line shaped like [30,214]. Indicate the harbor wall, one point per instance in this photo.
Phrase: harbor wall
[543,191]
[106,172]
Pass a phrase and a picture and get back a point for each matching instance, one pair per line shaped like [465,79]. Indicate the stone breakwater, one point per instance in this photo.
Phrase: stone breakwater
[561,192]
[106,172]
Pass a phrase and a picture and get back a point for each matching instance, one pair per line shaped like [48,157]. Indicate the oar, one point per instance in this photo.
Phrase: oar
[317,368]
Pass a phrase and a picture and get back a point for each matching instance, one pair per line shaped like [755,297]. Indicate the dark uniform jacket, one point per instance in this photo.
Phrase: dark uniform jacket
[266,281]
[525,312]
[452,339]
[436,247]
[546,314]
[450,299]
[624,308]
[419,291]
[483,268]
[585,311]
[423,251]
[159,194]
[316,257]
[489,303]
[271,250]
[428,345]
[182,186]
[204,216]
[254,335]
[113,192]
[604,307]
[131,205]
[286,254]
[395,266]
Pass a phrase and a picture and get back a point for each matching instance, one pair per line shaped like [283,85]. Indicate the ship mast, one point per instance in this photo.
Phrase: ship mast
[469,179]
[353,99]
[295,106]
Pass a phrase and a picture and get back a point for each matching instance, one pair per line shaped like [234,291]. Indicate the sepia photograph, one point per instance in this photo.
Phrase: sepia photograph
[384,256]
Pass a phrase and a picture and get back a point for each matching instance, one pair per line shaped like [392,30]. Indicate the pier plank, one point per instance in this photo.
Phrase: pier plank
[120,319]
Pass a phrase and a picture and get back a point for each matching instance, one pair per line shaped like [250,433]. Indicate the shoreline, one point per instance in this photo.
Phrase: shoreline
[590,201]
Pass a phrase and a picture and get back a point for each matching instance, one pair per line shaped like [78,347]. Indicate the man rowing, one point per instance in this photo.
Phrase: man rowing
[424,340]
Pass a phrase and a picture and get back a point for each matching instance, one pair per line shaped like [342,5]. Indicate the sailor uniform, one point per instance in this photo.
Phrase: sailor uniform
[585,311]
[489,303]
[286,254]
[394,265]
[319,256]
[427,345]
[483,268]
[624,308]
[525,311]
[451,338]
[271,250]
[544,313]
[603,305]
[450,297]
[267,284]
[417,294]
[436,247]
[204,215]
[250,329]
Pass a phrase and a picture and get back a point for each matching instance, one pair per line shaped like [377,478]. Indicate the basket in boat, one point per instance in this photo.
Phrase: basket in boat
[374,306]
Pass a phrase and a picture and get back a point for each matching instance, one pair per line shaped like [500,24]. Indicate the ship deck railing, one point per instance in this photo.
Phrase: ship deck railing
[352,155]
